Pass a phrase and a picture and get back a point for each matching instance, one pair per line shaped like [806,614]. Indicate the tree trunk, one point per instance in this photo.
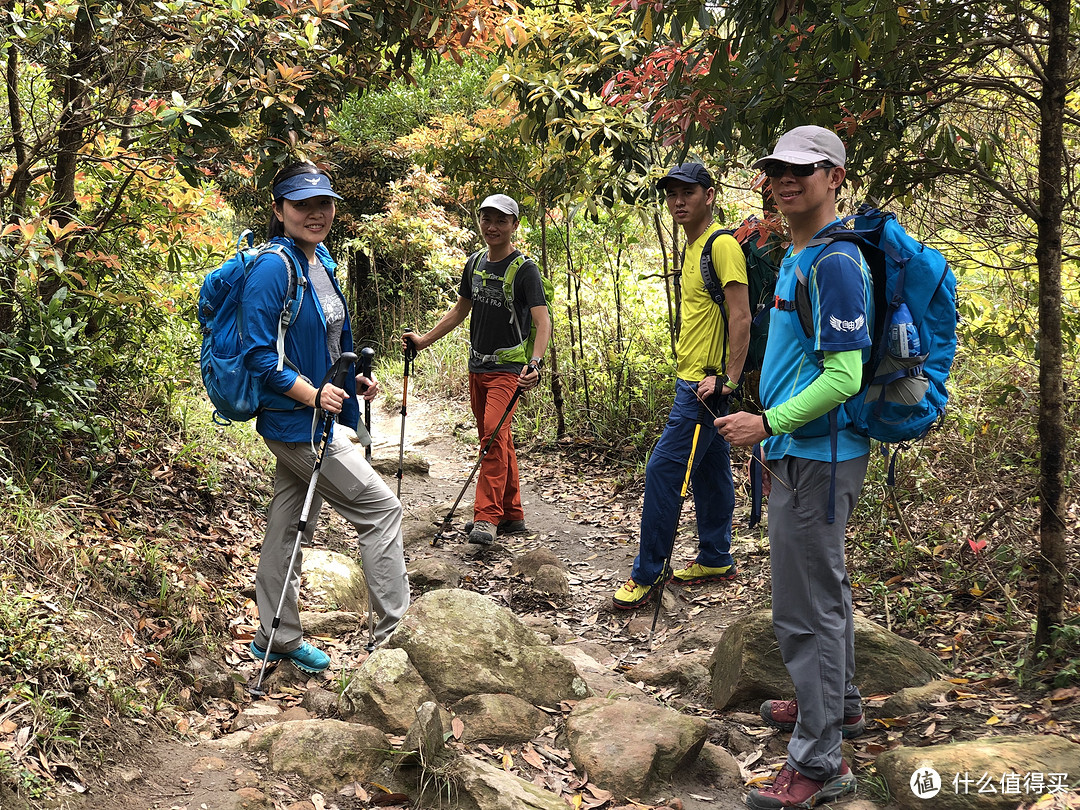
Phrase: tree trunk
[665,270]
[1052,437]
[556,382]
[71,132]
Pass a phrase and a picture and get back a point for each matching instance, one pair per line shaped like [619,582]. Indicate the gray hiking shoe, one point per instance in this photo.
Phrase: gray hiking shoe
[483,533]
[513,527]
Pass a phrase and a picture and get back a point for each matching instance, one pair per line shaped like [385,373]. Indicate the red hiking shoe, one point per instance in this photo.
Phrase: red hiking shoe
[782,714]
[792,789]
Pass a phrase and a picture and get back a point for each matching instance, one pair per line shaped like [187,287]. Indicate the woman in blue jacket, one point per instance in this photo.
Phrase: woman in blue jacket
[303,211]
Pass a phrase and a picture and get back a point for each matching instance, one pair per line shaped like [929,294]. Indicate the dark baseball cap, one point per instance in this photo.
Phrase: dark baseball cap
[687,173]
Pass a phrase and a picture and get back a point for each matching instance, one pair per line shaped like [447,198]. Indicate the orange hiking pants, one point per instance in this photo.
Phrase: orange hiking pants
[498,494]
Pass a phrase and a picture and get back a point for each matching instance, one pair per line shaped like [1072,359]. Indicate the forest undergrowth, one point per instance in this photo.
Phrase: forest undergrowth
[106,588]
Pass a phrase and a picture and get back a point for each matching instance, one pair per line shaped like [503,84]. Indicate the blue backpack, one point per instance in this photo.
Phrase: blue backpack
[237,396]
[903,393]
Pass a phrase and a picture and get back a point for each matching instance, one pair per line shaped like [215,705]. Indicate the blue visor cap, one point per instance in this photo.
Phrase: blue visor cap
[304,187]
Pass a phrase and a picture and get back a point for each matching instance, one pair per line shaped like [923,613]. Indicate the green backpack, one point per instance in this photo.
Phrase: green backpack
[523,351]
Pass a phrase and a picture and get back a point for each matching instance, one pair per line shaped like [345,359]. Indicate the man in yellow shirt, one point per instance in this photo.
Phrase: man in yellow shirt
[710,353]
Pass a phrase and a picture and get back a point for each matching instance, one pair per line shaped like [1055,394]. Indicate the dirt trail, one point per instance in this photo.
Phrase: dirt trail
[572,508]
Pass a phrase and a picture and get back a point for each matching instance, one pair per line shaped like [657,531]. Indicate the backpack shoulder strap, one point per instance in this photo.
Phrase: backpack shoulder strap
[708,271]
[294,295]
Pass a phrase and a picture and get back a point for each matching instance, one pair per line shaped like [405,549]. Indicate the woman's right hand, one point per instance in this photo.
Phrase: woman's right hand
[331,398]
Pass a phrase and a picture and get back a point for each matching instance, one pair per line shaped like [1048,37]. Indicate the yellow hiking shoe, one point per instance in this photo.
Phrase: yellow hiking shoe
[630,595]
[696,572]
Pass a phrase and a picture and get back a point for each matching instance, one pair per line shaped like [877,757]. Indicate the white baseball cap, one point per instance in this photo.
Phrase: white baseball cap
[804,145]
[500,202]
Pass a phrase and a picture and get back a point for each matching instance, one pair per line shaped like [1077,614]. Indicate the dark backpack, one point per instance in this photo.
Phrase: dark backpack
[236,395]
[763,247]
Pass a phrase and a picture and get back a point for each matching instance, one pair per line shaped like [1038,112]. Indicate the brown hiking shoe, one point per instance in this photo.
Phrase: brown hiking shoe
[792,789]
[783,714]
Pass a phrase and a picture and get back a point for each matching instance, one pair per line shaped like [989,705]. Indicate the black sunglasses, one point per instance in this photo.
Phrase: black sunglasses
[778,169]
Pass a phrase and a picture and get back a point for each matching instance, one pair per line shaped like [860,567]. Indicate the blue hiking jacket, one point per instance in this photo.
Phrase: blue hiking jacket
[305,343]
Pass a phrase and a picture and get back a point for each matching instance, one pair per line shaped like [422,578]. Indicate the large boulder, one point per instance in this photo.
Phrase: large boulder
[385,692]
[746,665]
[988,774]
[627,747]
[462,644]
[326,753]
[337,578]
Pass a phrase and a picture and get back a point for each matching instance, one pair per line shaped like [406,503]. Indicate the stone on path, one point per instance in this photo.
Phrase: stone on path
[601,679]
[482,786]
[499,719]
[463,644]
[628,747]
[385,692]
[337,577]
[914,698]
[428,574]
[425,740]
[327,753]
[746,666]
[689,672]
[961,766]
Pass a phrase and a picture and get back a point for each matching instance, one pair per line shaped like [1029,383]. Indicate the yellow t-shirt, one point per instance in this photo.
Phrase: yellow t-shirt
[701,337]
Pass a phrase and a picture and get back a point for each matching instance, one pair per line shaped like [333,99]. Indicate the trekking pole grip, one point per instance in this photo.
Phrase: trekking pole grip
[342,367]
[336,375]
[410,350]
[367,354]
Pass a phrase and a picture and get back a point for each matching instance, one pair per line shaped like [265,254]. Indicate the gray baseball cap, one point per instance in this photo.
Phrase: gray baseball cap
[500,202]
[808,144]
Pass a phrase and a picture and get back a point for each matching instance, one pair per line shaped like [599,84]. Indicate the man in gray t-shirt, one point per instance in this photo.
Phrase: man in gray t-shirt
[497,363]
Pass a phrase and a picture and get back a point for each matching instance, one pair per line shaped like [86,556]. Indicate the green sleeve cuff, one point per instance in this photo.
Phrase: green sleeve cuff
[838,381]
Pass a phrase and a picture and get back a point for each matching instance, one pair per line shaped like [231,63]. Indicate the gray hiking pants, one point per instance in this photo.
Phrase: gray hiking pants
[811,603]
[358,494]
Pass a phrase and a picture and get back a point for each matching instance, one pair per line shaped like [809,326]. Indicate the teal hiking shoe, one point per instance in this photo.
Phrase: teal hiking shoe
[305,657]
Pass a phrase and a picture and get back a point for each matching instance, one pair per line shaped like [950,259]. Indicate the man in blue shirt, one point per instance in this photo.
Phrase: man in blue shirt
[810,369]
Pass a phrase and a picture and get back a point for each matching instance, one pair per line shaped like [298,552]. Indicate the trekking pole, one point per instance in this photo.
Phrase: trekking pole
[675,533]
[337,374]
[410,355]
[366,356]
[450,515]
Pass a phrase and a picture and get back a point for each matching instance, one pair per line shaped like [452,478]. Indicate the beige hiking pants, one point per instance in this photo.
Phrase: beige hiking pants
[358,494]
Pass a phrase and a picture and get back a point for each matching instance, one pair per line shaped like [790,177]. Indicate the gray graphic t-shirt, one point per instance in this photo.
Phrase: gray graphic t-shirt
[332,306]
